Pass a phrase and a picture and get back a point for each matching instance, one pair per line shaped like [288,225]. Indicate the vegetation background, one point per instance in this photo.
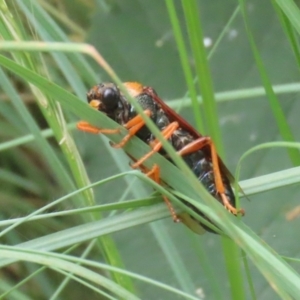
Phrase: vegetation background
[137,40]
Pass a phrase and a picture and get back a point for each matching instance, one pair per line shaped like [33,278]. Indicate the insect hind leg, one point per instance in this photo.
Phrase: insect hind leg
[199,144]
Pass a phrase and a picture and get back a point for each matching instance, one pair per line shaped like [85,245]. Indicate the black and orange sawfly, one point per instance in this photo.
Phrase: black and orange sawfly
[198,151]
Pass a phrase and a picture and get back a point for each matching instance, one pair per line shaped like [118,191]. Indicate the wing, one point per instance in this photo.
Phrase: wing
[174,116]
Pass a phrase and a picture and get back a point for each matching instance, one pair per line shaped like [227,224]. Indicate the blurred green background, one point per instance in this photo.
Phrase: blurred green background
[135,37]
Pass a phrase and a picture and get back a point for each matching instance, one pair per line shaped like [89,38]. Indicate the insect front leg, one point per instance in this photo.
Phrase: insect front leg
[87,127]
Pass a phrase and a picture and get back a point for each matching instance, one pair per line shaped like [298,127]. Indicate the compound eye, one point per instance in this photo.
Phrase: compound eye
[111,97]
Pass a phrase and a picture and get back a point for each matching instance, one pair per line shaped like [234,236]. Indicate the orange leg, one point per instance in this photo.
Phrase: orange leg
[154,174]
[133,126]
[156,144]
[198,145]
[85,126]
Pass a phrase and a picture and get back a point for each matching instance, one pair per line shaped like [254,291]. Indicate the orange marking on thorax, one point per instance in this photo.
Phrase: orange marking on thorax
[134,88]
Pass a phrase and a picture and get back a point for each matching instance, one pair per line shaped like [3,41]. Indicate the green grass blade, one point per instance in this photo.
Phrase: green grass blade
[55,119]
[196,37]
[185,64]
[193,23]
[289,31]
[279,116]
[291,10]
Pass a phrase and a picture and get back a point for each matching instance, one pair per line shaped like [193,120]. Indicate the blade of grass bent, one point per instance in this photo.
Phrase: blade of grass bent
[186,184]
[61,134]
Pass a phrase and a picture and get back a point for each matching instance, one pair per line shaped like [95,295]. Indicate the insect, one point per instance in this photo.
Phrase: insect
[197,151]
